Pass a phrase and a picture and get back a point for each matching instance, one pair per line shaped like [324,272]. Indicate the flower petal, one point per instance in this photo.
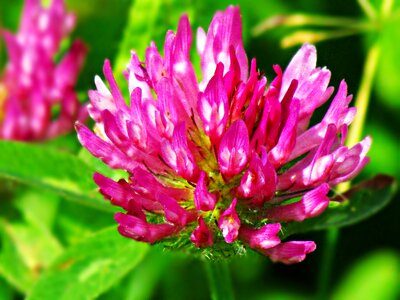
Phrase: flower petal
[139,230]
[203,199]
[234,149]
[290,252]
[229,223]
[311,205]
[201,235]
[262,238]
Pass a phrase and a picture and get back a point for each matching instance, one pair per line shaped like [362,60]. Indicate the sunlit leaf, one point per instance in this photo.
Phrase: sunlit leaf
[376,276]
[360,202]
[89,268]
[99,25]
[77,222]
[139,31]
[388,76]
[283,295]
[142,283]
[6,291]
[384,141]
[101,167]
[28,245]
[56,171]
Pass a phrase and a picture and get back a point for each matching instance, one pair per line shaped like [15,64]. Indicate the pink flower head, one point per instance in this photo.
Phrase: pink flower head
[224,161]
[33,84]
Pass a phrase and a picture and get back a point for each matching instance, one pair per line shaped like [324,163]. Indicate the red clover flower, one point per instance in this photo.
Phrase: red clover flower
[223,164]
[33,85]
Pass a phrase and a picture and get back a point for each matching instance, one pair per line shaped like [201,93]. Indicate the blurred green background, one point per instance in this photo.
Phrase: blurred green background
[367,258]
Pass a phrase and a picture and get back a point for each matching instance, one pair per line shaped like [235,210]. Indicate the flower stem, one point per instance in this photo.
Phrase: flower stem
[331,239]
[301,20]
[367,8]
[219,279]
[364,94]
[386,8]
[355,132]
[312,36]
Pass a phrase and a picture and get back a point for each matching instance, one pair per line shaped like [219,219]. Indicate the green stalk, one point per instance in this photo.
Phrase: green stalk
[364,95]
[219,279]
[301,20]
[386,8]
[355,132]
[312,36]
[331,240]
[368,9]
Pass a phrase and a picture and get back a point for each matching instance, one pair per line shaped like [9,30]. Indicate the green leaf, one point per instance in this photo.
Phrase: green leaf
[56,171]
[99,25]
[388,76]
[90,267]
[76,222]
[12,266]
[143,282]
[6,291]
[219,279]
[28,245]
[139,31]
[385,141]
[376,276]
[101,167]
[360,202]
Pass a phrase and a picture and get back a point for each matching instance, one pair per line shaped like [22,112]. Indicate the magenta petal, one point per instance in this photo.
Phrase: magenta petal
[36,78]
[351,163]
[116,93]
[138,78]
[182,68]
[321,164]
[183,41]
[147,185]
[266,133]
[287,140]
[269,188]
[213,107]
[123,194]
[178,155]
[154,65]
[225,32]
[175,213]
[68,69]
[258,181]
[137,229]
[313,82]
[301,65]
[290,252]
[203,199]
[108,153]
[229,223]
[311,205]
[313,91]
[113,190]
[202,236]
[253,179]
[234,149]
[262,238]
[338,112]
